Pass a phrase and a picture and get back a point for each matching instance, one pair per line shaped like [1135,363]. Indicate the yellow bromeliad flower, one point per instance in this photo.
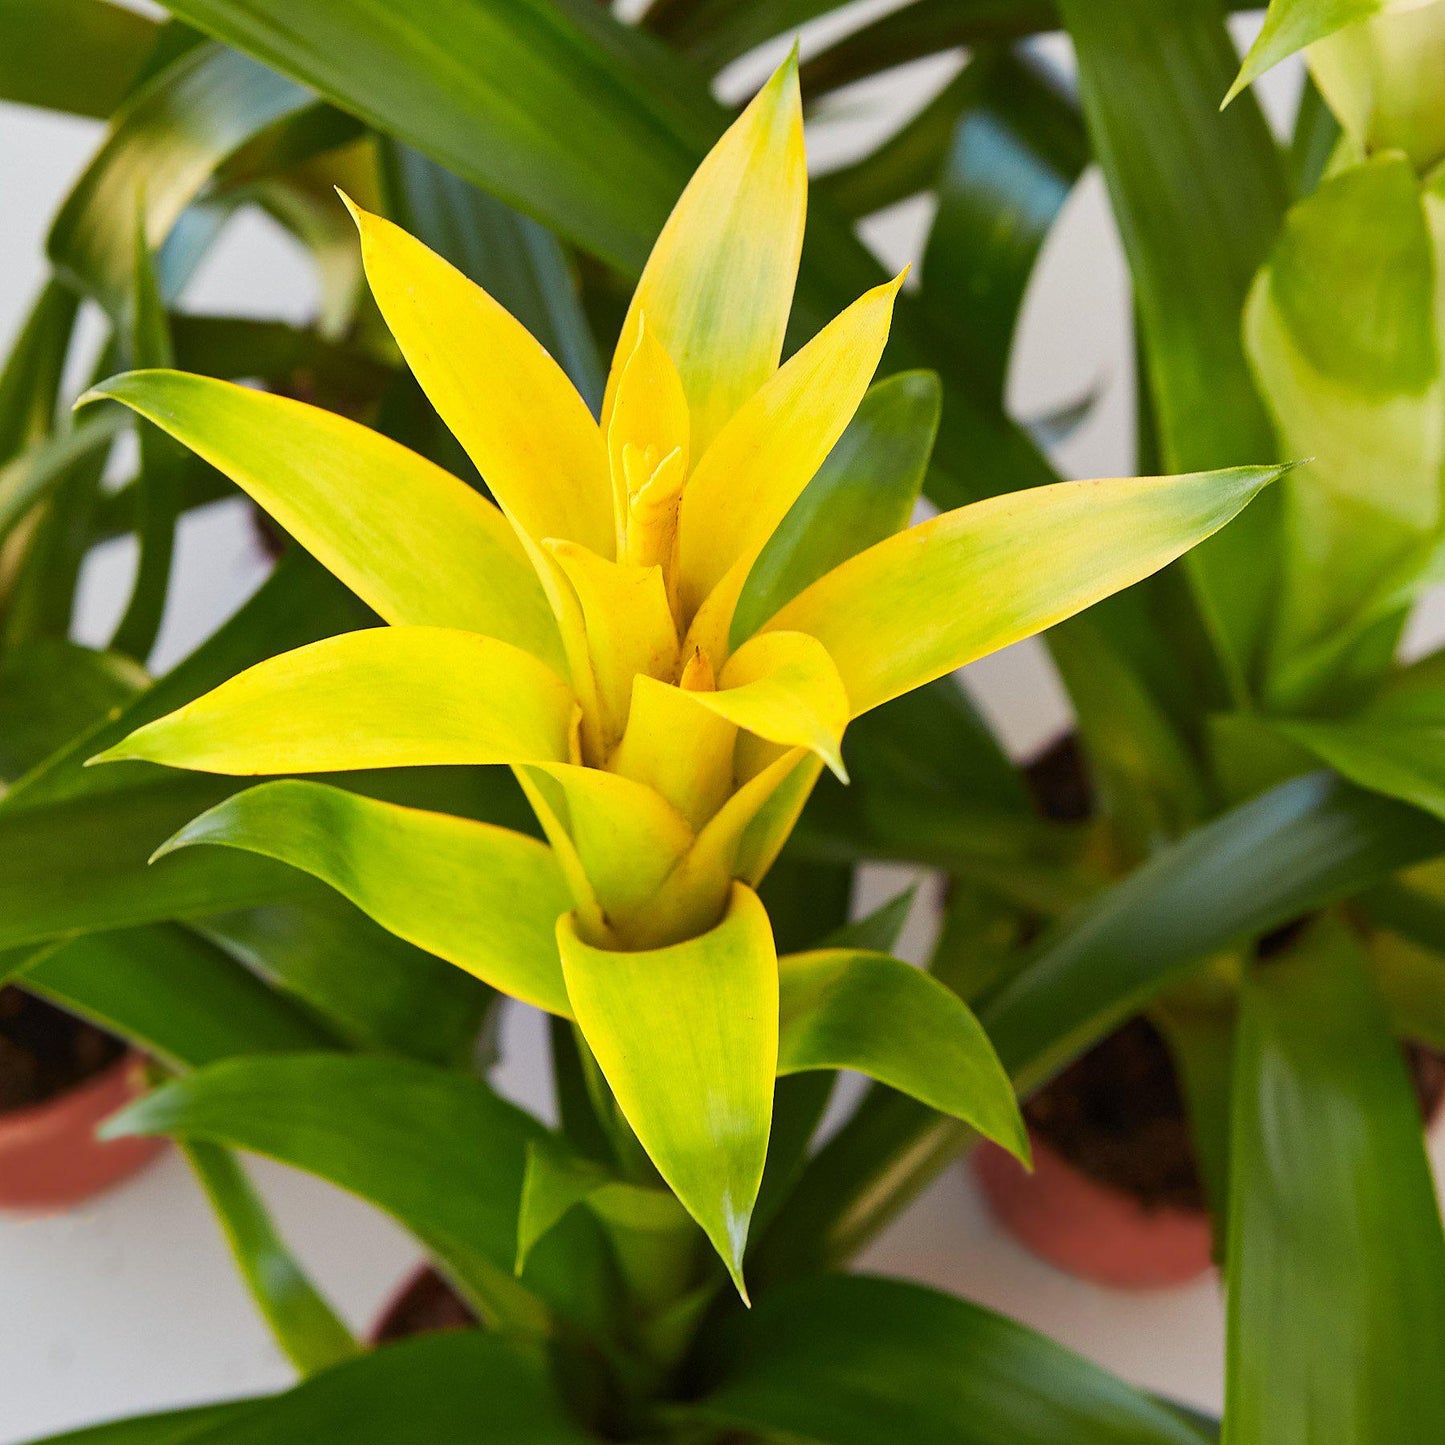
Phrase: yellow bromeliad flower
[581,631]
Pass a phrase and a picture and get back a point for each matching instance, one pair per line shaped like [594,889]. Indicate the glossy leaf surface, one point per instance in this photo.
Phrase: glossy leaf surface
[849,1009]
[861,1361]
[1333,1215]
[897,616]
[483,897]
[687,1038]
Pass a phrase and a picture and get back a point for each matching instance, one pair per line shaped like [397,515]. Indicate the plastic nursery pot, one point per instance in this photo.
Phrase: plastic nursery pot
[1095,1231]
[50,1158]
[423,1304]
[1115,1195]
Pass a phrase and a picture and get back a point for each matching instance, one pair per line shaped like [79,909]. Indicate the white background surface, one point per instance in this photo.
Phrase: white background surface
[130,1303]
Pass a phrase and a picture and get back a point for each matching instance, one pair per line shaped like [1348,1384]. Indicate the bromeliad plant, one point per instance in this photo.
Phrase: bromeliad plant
[694,578]
[584,631]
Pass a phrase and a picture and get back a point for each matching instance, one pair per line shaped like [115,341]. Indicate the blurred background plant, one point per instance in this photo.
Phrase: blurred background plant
[1236,844]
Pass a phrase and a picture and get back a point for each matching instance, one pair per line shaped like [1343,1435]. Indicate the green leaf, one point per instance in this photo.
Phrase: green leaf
[614,147]
[51,690]
[511,257]
[436,1149]
[162,148]
[373,989]
[1151,82]
[925,27]
[173,995]
[410,539]
[848,1009]
[466,1388]
[30,382]
[860,1361]
[1298,847]
[1340,331]
[687,1038]
[650,1232]
[1265,863]
[81,864]
[80,56]
[864,491]
[305,1326]
[1393,746]
[1291,25]
[482,897]
[161,464]
[1333,1216]
[43,468]
[1013,159]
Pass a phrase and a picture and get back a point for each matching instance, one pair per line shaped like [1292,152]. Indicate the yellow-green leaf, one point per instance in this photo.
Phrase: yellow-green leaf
[482,897]
[687,1038]
[384,697]
[412,541]
[719,283]
[743,486]
[964,584]
[850,1009]
[505,399]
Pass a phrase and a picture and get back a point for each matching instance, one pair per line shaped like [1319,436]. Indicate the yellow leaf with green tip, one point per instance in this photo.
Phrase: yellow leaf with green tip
[412,541]
[482,897]
[509,404]
[385,697]
[950,590]
[687,1039]
[719,283]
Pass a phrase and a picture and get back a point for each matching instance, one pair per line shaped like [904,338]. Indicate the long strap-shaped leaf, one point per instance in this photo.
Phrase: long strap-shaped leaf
[843,1008]
[466,1388]
[1198,198]
[943,593]
[483,897]
[414,542]
[1336,1256]
[79,56]
[861,1361]
[1306,843]
[379,698]
[435,1148]
[219,100]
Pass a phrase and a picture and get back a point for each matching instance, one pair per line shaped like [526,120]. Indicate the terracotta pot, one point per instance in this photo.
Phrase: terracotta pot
[50,1158]
[1092,1230]
[423,1304]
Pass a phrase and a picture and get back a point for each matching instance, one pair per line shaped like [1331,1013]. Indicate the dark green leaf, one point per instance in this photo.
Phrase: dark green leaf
[1305,844]
[50,690]
[466,1388]
[436,1149]
[860,1361]
[1198,197]
[172,995]
[1015,155]
[1336,1256]
[864,491]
